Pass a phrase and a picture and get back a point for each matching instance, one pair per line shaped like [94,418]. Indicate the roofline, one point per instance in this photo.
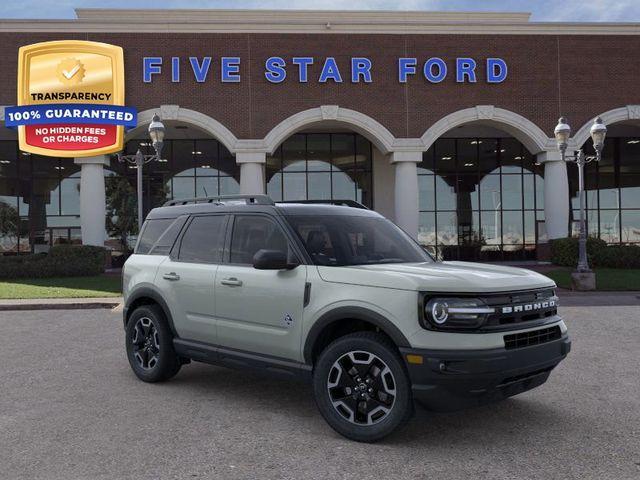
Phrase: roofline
[310,21]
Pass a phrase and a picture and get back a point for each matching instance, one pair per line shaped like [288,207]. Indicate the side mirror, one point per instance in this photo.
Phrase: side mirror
[272,260]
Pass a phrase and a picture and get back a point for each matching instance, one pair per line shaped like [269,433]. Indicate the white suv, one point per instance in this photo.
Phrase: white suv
[339,296]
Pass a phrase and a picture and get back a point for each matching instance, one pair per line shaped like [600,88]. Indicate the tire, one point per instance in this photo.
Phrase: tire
[370,402]
[149,344]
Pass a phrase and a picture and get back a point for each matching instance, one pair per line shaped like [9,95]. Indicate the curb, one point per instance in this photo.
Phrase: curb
[77,305]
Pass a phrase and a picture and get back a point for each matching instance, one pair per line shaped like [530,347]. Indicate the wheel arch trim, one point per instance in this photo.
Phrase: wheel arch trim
[153,294]
[351,313]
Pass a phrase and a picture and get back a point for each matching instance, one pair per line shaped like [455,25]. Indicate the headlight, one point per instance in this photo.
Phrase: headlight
[456,312]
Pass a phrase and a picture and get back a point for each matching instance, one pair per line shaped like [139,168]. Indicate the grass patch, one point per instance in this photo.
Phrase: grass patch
[65,287]
[607,279]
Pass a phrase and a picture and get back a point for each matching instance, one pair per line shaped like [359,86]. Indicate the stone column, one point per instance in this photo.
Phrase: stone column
[406,190]
[251,172]
[93,209]
[556,194]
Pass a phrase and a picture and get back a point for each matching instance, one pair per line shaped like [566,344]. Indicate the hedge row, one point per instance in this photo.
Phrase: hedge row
[564,252]
[61,261]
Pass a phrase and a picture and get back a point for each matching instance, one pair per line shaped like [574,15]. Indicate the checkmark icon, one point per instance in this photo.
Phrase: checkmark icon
[71,73]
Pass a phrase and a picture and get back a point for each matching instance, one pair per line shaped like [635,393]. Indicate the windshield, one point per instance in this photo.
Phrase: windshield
[355,240]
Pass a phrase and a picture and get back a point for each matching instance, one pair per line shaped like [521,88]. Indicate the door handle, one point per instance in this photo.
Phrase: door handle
[231,282]
[173,276]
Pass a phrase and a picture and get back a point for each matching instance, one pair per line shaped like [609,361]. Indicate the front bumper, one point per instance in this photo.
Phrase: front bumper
[454,379]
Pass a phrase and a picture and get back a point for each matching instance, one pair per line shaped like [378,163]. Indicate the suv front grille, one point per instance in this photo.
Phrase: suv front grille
[520,307]
[535,337]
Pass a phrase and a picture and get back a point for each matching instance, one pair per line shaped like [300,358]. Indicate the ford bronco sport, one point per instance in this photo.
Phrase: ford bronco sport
[337,295]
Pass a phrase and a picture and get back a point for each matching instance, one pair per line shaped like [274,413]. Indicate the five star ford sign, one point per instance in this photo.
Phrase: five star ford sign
[71,99]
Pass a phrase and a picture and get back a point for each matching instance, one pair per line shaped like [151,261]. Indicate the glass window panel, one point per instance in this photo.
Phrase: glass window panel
[60,236]
[530,227]
[206,157]
[45,197]
[512,192]
[320,186]
[445,156]
[364,184]
[253,233]
[630,190]
[427,200]
[445,194]
[631,226]
[609,226]
[62,221]
[319,152]
[68,167]
[274,187]
[183,187]
[8,158]
[511,156]
[467,192]
[528,191]
[344,186]
[467,155]
[9,220]
[608,191]
[182,162]
[294,153]
[447,228]
[342,151]
[273,163]
[487,155]
[491,225]
[227,164]
[490,192]
[363,153]
[426,166]
[427,228]
[468,227]
[229,186]
[45,166]
[204,240]
[512,228]
[629,155]
[70,196]
[206,186]
[294,186]
[539,192]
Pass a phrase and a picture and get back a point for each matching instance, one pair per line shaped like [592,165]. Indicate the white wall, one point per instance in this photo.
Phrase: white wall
[383,185]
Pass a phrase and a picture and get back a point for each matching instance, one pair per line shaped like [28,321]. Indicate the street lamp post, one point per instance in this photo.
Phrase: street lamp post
[562,133]
[156,133]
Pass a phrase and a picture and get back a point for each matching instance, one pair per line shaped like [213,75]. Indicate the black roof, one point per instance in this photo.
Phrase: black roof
[255,204]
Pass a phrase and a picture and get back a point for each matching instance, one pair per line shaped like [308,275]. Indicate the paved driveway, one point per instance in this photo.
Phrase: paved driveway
[71,409]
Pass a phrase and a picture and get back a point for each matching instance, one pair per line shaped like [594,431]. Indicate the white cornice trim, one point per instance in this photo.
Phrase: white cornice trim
[309,21]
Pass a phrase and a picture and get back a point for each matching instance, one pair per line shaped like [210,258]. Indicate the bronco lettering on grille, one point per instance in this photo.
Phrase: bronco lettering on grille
[529,307]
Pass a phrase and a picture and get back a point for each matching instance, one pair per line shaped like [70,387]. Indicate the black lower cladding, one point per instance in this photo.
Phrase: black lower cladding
[450,380]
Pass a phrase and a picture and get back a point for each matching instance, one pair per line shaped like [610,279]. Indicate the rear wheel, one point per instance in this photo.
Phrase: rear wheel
[149,345]
[361,387]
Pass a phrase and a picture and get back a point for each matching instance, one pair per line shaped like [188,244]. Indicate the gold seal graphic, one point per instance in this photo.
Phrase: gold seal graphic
[70,71]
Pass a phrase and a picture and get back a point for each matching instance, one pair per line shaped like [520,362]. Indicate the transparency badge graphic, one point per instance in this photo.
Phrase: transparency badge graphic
[70,99]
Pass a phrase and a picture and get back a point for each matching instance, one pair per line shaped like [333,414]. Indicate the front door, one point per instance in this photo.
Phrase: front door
[259,310]
[187,278]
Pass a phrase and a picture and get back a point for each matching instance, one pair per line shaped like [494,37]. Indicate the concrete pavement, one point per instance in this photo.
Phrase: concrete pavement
[70,408]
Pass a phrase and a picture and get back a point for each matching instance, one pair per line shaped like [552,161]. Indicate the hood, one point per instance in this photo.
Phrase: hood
[458,277]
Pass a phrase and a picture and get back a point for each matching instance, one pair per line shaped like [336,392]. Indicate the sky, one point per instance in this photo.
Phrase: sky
[542,10]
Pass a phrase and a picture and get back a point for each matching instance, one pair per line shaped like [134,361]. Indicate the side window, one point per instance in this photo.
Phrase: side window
[151,232]
[204,240]
[252,233]
[168,238]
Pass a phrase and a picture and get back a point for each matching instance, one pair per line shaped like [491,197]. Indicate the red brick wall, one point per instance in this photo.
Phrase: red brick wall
[578,76]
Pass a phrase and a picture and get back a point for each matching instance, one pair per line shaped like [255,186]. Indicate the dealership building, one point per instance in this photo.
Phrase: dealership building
[443,122]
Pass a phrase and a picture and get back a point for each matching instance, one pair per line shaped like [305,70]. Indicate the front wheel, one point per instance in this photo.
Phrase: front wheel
[150,345]
[362,388]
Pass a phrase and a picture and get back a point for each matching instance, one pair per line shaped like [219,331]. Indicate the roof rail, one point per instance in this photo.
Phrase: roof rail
[221,199]
[344,203]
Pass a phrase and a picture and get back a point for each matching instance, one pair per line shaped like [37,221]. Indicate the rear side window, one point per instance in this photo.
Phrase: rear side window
[203,241]
[151,232]
[168,238]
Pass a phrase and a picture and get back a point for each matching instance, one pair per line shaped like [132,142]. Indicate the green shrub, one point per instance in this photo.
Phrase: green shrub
[61,261]
[564,252]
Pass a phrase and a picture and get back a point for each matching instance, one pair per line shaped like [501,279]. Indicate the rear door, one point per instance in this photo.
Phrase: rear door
[187,277]
[259,310]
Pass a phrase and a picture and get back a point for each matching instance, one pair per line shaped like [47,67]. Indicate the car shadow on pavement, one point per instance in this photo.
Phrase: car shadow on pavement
[508,420]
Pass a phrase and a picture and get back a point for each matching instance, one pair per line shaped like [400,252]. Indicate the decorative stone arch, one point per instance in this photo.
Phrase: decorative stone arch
[527,132]
[622,114]
[374,131]
[192,117]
